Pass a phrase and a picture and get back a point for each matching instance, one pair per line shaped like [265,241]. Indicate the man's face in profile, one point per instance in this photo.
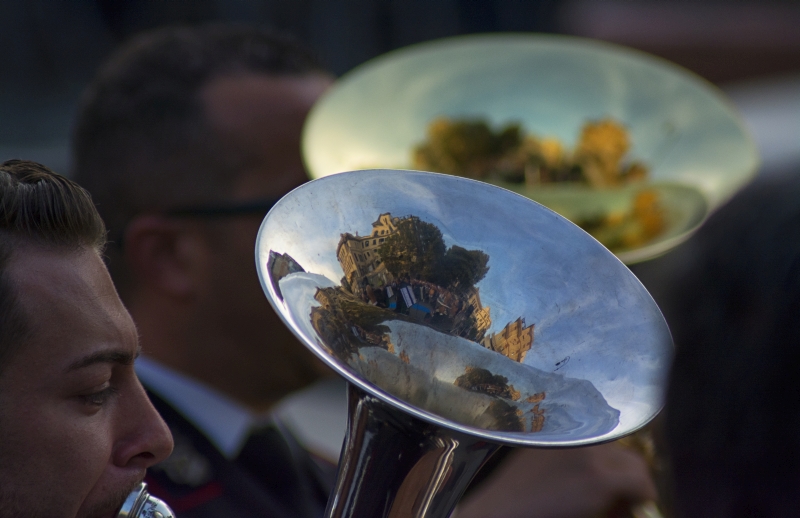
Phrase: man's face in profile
[77,429]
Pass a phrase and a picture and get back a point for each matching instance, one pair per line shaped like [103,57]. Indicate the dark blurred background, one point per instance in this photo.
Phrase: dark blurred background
[751,49]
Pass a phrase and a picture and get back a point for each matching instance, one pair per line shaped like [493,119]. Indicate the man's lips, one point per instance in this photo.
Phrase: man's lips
[114,504]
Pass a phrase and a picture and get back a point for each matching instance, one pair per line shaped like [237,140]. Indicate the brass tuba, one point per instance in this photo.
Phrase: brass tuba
[464,317]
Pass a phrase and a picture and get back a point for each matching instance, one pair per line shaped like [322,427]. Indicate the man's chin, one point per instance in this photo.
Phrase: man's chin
[110,505]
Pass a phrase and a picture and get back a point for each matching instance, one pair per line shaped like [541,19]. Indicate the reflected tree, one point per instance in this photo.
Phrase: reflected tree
[416,249]
[481,380]
[506,417]
[462,268]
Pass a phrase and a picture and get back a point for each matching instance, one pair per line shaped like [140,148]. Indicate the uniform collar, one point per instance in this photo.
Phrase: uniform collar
[225,422]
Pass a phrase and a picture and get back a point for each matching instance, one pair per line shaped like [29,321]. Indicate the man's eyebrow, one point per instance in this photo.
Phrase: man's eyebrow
[108,356]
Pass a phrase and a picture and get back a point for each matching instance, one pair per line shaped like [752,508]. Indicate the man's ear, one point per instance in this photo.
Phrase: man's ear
[165,255]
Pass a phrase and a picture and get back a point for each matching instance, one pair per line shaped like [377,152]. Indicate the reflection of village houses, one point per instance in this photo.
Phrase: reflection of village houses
[320,321]
[359,257]
[537,419]
[448,309]
[483,320]
[437,289]
[366,274]
[346,324]
[514,341]
[330,322]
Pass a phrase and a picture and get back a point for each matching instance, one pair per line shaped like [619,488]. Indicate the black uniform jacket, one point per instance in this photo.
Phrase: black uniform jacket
[273,477]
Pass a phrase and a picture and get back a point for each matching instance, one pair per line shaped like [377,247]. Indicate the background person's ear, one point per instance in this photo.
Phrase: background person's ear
[166,255]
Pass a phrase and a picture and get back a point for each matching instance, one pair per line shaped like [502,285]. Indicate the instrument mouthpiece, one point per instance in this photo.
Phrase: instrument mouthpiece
[141,504]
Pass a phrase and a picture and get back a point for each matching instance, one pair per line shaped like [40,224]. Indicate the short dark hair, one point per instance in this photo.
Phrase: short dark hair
[40,207]
[141,141]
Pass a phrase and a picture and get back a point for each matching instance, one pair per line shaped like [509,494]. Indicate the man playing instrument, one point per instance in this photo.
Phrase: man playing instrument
[185,138]
[77,431]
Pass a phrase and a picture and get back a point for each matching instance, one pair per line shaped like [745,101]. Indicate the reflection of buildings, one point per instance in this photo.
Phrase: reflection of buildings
[325,298]
[483,320]
[425,281]
[345,324]
[330,323]
[482,380]
[279,266]
[514,341]
[359,256]
[537,419]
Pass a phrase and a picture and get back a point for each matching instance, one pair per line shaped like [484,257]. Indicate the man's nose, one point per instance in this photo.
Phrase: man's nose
[146,439]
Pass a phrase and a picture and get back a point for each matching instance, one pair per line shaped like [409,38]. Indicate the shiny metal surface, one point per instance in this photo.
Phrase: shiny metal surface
[682,127]
[502,322]
[141,504]
[400,466]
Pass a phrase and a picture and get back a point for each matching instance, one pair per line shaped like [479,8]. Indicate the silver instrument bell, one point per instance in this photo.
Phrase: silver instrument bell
[464,317]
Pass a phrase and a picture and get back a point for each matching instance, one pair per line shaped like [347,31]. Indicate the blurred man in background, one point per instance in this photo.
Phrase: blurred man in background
[77,429]
[185,139]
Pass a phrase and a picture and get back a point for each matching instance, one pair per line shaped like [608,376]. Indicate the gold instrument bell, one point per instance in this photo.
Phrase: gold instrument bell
[634,149]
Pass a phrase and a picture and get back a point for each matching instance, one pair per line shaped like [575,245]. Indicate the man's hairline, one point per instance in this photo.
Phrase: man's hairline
[201,94]
[21,245]
[242,73]
[200,97]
